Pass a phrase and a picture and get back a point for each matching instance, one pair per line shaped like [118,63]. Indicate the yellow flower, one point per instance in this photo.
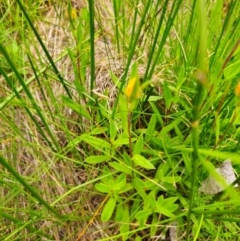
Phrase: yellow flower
[73,14]
[133,90]
[237,90]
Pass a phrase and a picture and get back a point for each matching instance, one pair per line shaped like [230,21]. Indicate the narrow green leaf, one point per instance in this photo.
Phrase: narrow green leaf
[122,141]
[157,113]
[172,179]
[187,161]
[91,15]
[120,181]
[97,159]
[112,129]
[124,229]
[142,216]
[115,79]
[151,128]
[150,202]
[164,211]
[74,142]
[170,200]
[128,187]
[139,185]
[136,205]
[217,127]
[95,142]
[108,209]
[98,130]
[102,187]
[142,162]
[119,213]
[235,158]
[76,107]
[171,126]
[232,70]
[139,145]
[154,98]
[154,226]
[167,94]
[120,167]
[127,159]
[166,206]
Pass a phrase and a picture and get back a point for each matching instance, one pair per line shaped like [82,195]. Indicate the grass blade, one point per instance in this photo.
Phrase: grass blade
[45,49]
[5,164]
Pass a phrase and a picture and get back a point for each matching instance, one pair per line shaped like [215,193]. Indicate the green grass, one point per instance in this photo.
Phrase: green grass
[84,158]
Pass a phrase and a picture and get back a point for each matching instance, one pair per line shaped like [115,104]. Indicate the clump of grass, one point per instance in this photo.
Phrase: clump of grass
[112,114]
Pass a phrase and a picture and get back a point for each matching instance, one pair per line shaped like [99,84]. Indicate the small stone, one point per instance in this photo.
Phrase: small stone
[212,186]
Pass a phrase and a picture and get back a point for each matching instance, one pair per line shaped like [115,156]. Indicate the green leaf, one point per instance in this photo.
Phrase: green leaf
[135,205]
[232,70]
[157,113]
[120,167]
[119,213]
[217,127]
[112,129]
[126,188]
[134,70]
[139,145]
[120,182]
[187,161]
[102,187]
[106,178]
[98,130]
[154,226]
[139,185]
[127,159]
[167,95]
[76,107]
[170,127]
[150,202]
[167,201]
[142,216]
[108,209]
[124,228]
[154,98]
[171,179]
[97,159]
[122,141]
[74,142]
[164,211]
[166,206]
[142,162]
[115,79]
[151,128]
[95,142]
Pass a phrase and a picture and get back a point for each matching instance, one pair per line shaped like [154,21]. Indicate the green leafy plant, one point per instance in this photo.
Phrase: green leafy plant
[133,104]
